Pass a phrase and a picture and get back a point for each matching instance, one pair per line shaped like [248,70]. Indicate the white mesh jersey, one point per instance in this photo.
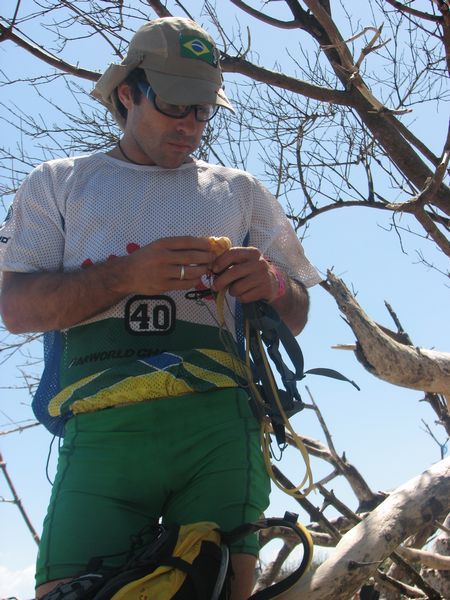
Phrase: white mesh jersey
[71,213]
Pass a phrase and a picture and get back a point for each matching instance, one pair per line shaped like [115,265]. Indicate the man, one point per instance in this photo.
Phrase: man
[101,252]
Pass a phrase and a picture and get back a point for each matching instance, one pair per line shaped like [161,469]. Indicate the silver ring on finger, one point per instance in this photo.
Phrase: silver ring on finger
[182,273]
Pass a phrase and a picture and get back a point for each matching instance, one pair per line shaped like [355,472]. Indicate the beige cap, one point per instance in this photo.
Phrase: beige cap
[180,60]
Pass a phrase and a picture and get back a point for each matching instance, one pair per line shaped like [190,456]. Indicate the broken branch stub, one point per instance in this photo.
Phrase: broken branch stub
[394,362]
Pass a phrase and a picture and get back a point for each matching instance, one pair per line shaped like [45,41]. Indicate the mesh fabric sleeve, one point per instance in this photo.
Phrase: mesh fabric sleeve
[34,231]
[271,232]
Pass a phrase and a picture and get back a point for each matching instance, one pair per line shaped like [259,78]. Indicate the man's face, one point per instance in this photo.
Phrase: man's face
[156,138]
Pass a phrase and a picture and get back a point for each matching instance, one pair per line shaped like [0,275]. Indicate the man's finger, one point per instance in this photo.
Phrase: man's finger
[184,242]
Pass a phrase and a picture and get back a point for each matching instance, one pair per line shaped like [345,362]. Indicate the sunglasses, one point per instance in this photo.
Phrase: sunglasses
[203,112]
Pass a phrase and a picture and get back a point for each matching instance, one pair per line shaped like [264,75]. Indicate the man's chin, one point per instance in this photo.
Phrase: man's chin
[174,162]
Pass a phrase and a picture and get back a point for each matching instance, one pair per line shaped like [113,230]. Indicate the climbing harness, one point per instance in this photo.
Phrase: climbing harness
[265,333]
[265,330]
[187,562]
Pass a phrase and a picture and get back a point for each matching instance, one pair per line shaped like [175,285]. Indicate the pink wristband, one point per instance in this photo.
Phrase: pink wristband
[281,282]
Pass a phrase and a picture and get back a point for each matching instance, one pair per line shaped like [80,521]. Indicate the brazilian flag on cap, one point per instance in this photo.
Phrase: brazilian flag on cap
[193,46]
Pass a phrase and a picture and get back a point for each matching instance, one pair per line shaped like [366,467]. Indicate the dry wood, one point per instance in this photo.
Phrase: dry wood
[431,560]
[361,551]
[399,364]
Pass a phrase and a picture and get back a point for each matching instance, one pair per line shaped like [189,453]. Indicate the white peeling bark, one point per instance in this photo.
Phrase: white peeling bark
[435,574]
[386,358]
[431,560]
[361,551]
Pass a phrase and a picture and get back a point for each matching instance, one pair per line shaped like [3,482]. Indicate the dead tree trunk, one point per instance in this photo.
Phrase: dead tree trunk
[362,550]
[385,357]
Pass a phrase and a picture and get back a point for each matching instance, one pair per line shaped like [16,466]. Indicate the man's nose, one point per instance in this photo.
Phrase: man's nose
[188,123]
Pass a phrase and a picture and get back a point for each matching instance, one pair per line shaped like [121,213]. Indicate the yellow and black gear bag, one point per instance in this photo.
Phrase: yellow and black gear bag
[181,562]
[188,562]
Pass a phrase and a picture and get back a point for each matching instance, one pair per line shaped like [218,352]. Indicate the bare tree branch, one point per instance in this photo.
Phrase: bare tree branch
[415,368]
[361,550]
[412,11]
[17,501]
[7,33]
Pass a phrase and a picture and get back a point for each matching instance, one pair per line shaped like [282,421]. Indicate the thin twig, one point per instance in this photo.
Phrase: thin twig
[17,501]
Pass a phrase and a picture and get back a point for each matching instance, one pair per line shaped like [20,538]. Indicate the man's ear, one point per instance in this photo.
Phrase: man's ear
[124,95]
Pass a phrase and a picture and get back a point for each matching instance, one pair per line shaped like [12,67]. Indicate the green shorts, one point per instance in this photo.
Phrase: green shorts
[184,459]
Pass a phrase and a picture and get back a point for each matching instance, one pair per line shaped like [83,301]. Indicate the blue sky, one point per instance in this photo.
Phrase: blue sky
[379,428]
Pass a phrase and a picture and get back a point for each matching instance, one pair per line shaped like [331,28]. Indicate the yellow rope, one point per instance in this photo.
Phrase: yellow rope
[220,304]
[266,427]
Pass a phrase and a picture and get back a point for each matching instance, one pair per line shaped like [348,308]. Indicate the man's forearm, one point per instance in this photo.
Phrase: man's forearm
[46,301]
[293,306]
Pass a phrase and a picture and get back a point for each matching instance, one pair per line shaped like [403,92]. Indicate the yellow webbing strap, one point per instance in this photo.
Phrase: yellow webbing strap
[266,427]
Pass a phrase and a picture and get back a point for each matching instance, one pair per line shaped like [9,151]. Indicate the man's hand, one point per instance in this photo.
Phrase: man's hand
[250,277]
[168,264]
[247,275]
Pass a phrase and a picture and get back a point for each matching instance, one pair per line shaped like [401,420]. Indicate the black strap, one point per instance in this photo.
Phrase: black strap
[266,325]
[289,520]
[84,587]
[144,559]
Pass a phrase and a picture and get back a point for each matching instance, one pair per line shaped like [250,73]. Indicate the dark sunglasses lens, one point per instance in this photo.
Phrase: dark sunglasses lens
[176,111]
[203,112]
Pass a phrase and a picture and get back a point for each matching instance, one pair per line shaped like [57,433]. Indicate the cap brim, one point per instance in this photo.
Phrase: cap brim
[111,78]
[172,88]
[105,87]
[176,89]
